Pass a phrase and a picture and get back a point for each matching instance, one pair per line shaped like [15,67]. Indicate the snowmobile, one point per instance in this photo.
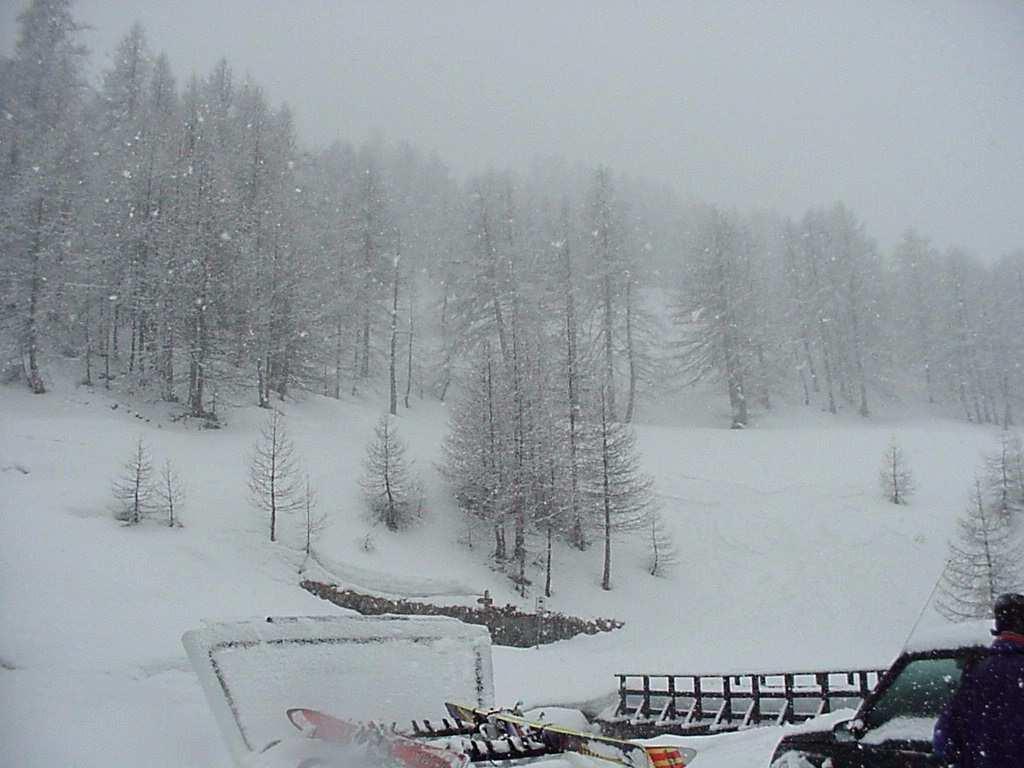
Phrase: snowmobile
[357,677]
[473,735]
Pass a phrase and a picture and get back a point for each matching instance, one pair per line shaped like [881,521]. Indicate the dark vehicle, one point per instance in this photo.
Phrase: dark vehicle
[893,727]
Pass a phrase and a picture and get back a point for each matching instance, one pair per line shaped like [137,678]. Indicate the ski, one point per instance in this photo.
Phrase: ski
[388,748]
[560,739]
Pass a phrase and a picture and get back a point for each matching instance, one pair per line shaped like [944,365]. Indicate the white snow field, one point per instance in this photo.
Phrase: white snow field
[789,559]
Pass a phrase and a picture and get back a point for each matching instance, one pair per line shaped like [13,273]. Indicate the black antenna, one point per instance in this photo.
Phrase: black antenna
[927,602]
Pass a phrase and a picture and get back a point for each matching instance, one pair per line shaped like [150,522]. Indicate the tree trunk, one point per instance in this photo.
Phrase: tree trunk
[827,365]
[446,366]
[274,448]
[547,565]
[630,352]
[858,346]
[168,363]
[88,353]
[408,367]
[500,552]
[766,399]
[35,380]
[803,377]
[519,507]
[134,334]
[606,577]
[734,377]
[809,360]
[339,331]
[1004,383]
[393,402]
[577,535]
[499,531]
[364,370]
[609,348]
[106,346]
[197,376]
[355,362]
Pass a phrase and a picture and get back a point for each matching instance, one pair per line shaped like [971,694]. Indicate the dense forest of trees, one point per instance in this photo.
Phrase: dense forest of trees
[175,238]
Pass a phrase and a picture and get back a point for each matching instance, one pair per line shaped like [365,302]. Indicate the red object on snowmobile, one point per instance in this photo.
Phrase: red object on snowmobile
[406,752]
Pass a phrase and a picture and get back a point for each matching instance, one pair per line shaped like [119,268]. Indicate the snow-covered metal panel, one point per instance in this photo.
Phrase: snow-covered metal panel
[383,668]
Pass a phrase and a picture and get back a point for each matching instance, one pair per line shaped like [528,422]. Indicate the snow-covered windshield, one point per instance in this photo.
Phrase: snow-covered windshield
[919,691]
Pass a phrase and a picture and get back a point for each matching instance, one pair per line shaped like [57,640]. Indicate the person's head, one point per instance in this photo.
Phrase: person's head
[1008,612]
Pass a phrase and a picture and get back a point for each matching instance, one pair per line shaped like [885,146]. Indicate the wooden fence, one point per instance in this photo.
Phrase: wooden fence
[651,705]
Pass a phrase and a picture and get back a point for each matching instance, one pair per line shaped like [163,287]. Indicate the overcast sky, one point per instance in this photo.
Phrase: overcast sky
[910,112]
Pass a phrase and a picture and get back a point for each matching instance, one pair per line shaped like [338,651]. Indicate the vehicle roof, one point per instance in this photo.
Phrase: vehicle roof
[968,634]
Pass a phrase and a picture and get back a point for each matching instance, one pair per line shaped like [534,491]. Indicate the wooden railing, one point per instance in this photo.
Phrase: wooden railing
[693,704]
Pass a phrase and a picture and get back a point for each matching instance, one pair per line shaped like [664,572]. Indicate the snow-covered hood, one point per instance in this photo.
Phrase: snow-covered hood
[969,634]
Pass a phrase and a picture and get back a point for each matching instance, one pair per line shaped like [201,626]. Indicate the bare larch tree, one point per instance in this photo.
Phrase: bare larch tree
[275,483]
[133,488]
[392,490]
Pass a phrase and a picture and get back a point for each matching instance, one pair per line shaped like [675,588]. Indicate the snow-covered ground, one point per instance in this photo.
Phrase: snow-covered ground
[789,559]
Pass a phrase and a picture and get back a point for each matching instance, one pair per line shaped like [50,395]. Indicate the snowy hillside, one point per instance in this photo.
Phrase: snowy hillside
[789,559]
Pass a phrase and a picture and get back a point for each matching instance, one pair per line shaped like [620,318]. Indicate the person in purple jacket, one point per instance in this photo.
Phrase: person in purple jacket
[982,726]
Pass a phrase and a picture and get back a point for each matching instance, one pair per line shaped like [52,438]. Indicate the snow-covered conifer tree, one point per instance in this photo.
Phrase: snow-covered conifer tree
[1002,476]
[835,278]
[275,480]
[577,530]
[373,243]
[713,311]
[895,476]
[608,270]
[170,494]
[133,489]
[393,493]
[122,215]
[314,521]
[475,450]
[619,494]
[916,311]
[985,560]
[39,175]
